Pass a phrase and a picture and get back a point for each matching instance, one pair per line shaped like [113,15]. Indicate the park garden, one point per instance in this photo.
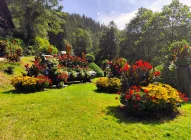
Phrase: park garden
[82,80]
[61,96]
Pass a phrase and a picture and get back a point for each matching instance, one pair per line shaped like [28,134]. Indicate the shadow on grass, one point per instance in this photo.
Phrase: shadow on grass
[118,112]
[185,103]
[18,92]
[10,92]
[104,92]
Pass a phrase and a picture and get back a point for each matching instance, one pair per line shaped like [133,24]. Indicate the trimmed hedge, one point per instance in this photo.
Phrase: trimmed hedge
[97,69]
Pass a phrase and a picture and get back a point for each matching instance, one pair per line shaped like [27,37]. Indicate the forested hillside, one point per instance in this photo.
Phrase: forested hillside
[148,36]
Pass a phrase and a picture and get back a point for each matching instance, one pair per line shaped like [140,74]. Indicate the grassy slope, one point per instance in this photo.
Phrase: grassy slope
[78,112]
[5,78]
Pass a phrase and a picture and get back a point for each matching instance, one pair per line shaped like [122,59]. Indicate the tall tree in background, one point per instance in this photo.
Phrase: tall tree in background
[149,35]
[109,43]
[139,39]
[176,21]
[81,42]
[35,18]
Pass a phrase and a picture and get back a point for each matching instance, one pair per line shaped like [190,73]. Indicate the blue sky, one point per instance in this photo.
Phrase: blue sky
[120,11]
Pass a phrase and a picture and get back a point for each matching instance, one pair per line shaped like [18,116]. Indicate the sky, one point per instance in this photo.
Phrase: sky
[120,11]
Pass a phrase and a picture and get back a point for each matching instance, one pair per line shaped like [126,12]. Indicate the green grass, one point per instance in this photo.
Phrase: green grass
[78,112]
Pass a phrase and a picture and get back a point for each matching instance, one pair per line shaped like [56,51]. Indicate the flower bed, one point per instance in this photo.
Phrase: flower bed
[61,69]
[28,84]
[140,97]
[152,99]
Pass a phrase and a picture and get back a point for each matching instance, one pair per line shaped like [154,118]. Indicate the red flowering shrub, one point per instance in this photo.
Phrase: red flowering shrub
[36,69]
[138,74]
[62,76]
[44,81]
[70,61]
[115,66]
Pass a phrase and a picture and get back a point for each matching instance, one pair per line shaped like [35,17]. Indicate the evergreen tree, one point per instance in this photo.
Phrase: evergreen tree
[109,43]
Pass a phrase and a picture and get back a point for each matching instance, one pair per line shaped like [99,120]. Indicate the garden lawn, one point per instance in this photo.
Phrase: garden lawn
[78,112]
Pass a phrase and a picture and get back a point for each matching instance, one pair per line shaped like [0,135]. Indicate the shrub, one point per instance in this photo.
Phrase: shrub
[62,76]
[154,99]
[139,74]
[39,42]
[43,46]
[48,50]
[13,51]
[9,70]
[30,51]
[168,74]
[8,67]
[30,84]
[97,69]
[90,58]
[36,69]
[73,74]
[110,85]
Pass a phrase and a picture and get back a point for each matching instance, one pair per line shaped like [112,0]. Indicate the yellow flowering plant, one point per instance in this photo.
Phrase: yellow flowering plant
[110,85]
[30,84]
[154,98]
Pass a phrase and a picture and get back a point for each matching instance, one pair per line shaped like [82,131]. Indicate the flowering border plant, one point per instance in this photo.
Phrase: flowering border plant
[28,84]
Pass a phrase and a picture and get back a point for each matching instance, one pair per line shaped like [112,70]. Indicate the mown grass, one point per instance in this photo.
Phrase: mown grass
[78,112]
